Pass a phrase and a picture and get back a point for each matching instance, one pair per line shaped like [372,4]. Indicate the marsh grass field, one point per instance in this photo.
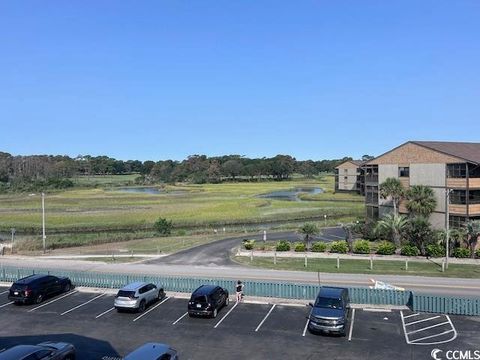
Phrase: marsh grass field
[106,214]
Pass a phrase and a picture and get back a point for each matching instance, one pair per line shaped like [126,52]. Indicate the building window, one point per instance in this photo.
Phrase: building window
[457,171]
[457,221]
[371,194]
[404,171]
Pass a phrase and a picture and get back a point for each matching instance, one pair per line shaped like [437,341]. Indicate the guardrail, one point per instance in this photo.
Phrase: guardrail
[285,290]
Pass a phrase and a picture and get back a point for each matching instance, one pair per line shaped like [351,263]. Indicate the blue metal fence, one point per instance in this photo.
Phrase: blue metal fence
[285,290]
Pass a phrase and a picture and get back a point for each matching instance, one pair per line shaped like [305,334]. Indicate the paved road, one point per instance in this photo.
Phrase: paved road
[218,253]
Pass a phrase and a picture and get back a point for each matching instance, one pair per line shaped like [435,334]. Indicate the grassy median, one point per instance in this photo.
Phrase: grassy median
[380,267]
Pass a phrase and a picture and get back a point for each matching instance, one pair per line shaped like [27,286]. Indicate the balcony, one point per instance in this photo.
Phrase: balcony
[461,183]
[473,210]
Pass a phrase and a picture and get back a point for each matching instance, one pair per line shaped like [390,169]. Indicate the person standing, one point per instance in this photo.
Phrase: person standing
[239,290]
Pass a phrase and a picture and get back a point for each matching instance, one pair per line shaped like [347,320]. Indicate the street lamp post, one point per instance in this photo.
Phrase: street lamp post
[43,222]
[325,217]
[447,224]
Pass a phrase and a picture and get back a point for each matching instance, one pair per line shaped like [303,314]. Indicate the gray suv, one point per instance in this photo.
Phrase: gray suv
[153,351]
[137,295]
[45,351]
[330,311]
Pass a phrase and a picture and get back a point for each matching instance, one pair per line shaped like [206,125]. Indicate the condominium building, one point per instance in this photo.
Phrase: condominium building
[451,169]
[349,177]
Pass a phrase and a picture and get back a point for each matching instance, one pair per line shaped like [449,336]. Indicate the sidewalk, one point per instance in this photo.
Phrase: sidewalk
[325,255]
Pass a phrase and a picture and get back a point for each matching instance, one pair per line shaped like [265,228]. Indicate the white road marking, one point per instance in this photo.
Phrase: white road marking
[423,320]
[48,303]
[406,317]
[4,292]
[180,318]
[229,311]
[427,328]
[351,326]
[432,336]
[265,318]
[79,306]
[419,341]
[153,308]
[9,303]
[105,312]
[305,328]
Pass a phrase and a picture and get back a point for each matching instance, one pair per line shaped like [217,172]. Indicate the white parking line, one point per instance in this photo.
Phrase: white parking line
[79,306]
[432,336]
[351,325]
[9,303]
[149,310]
[180,318]
[4,292]
[265,318]
[305,328]
[48,303]
[411,315]
[229,311]
[105,312]
[423,320]
[419,341]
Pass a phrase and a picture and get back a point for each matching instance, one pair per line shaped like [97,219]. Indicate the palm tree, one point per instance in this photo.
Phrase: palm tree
[394,225]
[473,233]
[421,200]
[308,230]
[392,188]
[419,232]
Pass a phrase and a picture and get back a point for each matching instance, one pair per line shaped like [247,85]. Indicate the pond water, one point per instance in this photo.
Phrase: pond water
[142,190]
[291,195]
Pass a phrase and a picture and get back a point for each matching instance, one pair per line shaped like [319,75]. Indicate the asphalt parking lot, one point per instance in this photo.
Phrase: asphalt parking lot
[243,331]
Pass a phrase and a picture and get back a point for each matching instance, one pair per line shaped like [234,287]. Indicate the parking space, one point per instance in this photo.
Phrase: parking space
[246,330]
[427,329]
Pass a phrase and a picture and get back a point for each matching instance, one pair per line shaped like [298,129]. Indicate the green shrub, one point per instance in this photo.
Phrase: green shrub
[339,247]
[461,253]
[386,248]
[319,246]
[434,250]
[248,244]
[477,253]
[361,247]
[409,250]
[299,247]
[283,245]
[163,227]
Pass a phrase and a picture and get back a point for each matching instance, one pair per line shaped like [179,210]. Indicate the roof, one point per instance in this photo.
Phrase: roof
[148,351]
[29,279]
[134,286]
[330,292]
[465,150]
[18,351]
[205,289]
[355,162]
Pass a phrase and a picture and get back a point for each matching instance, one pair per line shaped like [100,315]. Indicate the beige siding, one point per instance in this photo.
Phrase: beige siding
[427,174]
[440,196]
[387,171]
[474,183]
[437,220]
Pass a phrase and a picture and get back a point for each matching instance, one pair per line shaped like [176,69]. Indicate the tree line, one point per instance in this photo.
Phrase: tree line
[56,171]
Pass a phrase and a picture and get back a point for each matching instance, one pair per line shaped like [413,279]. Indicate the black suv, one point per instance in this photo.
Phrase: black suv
[330,311]
[207,300]
[36,288]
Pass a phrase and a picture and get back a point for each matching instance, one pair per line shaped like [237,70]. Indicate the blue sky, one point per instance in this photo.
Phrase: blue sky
[167,79]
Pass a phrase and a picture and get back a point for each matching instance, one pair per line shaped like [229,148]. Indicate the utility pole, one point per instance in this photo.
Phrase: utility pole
[447,224]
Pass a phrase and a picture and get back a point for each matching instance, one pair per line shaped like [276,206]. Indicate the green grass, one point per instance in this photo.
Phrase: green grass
[122,216]
[380,267]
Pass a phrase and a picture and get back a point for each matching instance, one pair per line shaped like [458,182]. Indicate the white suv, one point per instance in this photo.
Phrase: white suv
[137,295]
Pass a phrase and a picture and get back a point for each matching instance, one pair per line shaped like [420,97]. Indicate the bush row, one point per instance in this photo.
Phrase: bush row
[364,247]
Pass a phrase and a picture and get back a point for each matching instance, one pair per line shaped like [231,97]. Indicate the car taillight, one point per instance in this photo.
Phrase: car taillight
[28,292]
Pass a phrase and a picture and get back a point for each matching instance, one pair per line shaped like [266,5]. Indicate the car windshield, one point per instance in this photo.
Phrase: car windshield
[123,293]
[329,303]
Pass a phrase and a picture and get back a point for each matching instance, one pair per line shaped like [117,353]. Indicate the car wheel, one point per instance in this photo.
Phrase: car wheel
[227,301]
[141,307]
[39,299]
[119,310]
[67,287]
[161,294]
[214,313]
